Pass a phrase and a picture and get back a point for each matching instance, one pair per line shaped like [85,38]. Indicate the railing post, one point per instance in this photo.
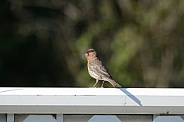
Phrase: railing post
[59,117]
[10,118]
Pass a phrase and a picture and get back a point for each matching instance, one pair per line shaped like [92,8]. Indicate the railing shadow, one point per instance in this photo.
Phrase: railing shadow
[9,90]
[130,95]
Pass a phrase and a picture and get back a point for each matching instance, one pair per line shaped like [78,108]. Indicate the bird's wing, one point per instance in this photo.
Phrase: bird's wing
[100,69]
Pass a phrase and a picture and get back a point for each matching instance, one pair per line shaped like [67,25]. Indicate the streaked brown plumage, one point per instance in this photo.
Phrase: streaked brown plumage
[97,70]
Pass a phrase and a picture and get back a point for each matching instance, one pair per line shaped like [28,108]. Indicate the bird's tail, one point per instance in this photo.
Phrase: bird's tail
[113,83]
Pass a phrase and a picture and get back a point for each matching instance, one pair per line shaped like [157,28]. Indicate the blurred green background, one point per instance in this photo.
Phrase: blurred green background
[43,42]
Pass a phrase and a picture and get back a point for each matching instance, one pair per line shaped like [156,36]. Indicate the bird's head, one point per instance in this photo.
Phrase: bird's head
[90,54]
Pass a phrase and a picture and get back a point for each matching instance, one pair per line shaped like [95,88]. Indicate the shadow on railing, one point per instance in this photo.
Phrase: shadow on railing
[130,95]
[13,89]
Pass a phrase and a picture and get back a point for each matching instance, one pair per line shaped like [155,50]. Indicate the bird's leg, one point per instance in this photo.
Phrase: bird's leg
[102,84]
[95,83]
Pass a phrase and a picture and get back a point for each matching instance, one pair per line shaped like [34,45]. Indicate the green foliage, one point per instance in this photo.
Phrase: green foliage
[43,43]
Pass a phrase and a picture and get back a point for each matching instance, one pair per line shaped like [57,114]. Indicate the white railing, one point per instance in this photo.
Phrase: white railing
[90,104]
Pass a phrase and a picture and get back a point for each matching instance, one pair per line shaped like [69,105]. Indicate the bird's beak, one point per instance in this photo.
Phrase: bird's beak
[86,54]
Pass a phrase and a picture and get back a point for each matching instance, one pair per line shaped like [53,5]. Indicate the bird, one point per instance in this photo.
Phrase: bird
[97,70]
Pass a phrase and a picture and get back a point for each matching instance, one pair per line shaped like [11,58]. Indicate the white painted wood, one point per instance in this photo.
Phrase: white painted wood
[59,117]
[91,100]
[155,116]
[10,117]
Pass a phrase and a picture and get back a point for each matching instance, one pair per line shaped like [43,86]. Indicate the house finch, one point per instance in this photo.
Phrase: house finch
[97,70]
